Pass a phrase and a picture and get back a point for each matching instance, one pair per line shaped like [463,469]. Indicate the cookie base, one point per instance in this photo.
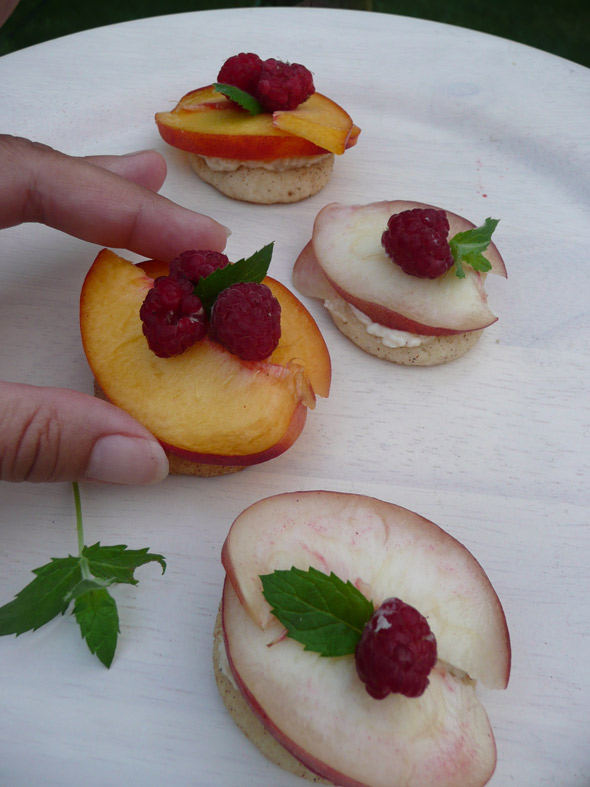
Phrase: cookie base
[263,186]
[441,349]
[246,719]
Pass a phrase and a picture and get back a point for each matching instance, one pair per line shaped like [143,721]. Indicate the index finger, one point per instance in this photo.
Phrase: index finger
[91,203]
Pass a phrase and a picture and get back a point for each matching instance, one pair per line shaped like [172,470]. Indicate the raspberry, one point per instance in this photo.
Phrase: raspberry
[173,317]
[241,71]
[396,652]
[283,85]
[416,240]
[194,265]
[246,318]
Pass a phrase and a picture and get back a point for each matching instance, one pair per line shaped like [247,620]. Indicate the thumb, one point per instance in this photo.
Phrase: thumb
[52,434]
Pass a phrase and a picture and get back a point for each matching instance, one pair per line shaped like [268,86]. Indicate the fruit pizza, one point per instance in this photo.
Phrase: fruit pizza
[261,133]
[403,280]
[219,361]
[350,637]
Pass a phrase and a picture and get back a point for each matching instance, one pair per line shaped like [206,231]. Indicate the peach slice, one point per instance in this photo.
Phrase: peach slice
[319,711]
[345,258]
[321,121]
[316,707]
[209,124]
[301,340]
[205,405]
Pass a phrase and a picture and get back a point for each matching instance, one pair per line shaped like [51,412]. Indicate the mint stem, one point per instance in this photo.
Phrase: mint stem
[79,527]
[84,567]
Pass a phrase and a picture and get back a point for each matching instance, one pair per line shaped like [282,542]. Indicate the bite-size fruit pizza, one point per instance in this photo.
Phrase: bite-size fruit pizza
[350,637]
[261,132]
[403,280]
[219,361]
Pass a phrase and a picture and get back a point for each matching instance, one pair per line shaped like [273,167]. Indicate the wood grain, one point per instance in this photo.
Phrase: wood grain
[494,446]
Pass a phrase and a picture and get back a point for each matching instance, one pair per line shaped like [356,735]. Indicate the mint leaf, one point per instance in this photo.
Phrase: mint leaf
[86,586]
[97,616]
[83,579]
[468,247]
[110,565]
[118,563]
[254,269]
[42,599]
[245,100]
[322,612]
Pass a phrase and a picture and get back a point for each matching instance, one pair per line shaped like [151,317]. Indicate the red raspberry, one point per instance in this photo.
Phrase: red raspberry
[283,85]
[194,265]
[173,317]
[241,71]
[396,652]
[416,240]
[246,318]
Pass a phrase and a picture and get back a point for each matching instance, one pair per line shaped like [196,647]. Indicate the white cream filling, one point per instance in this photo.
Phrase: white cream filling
[223,663]
[390,337]
[276,165]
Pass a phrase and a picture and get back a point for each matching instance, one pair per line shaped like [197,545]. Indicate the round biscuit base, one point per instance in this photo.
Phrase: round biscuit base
[441,349]
[179,466]
[248,722]
[263,186]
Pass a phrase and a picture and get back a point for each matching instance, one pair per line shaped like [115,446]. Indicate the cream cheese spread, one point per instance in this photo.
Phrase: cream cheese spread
[223,663]
[390,337]
[276,165]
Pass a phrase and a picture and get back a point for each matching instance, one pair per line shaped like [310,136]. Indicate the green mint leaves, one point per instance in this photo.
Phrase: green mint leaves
[43,599]
[253,269]
[84,580]
[322,612]
[468,247]
[245,100]
[97,616]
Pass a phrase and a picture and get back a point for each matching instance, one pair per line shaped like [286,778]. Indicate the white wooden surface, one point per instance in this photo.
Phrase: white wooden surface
[493,447]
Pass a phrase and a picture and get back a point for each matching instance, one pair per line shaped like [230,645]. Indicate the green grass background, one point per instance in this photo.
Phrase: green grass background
[561,27]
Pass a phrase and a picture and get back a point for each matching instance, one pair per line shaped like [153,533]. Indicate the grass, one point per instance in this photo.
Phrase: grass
[556,26]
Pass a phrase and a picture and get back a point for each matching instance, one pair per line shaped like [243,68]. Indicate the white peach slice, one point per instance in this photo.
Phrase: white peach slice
[346,247]
[319,711]
[309,279]
[385,550]
[317,707]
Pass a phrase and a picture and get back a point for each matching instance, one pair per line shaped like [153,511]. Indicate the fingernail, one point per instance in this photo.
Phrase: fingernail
[138,152]
[225,229]
[117,459]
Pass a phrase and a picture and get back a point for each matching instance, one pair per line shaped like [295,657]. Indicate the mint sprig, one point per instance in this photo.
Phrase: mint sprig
[240,97]
[324,613]
[251,269]
[82,579]
[467,247]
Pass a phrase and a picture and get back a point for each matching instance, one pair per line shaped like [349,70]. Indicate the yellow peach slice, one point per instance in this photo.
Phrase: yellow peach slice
[205,404]
[207,123]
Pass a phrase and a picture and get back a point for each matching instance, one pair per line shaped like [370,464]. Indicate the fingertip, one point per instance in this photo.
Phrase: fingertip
[121,459]
[219,234]
[172,229]
[155,166]
[147,168]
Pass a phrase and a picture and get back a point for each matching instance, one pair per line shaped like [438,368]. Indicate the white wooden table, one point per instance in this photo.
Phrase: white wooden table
[494,447]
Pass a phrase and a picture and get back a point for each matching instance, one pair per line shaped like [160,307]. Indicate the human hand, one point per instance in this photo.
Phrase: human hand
[6,8]
[52,434]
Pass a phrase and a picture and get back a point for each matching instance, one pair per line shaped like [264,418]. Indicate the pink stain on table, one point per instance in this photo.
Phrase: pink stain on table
[479,185]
